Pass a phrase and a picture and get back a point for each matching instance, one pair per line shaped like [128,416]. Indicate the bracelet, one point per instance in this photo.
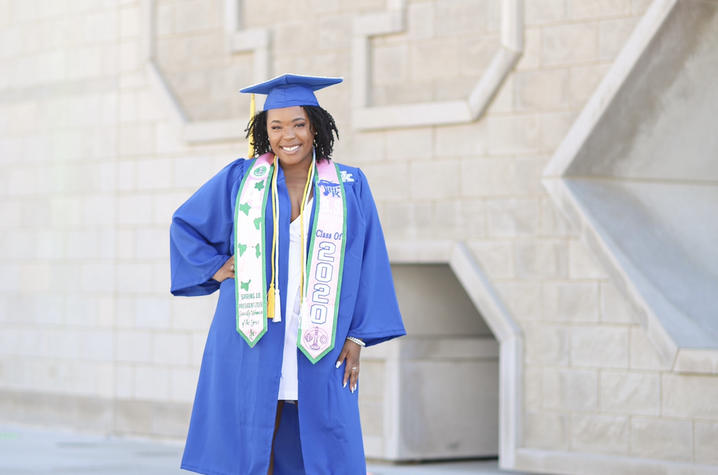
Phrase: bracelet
[357,341]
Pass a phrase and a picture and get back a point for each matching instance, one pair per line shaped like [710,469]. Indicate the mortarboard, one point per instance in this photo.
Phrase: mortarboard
[290,90]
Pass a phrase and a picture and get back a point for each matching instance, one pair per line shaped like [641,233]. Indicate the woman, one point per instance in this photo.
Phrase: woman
[277,390]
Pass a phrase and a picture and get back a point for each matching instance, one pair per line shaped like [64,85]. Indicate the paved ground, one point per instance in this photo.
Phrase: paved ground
[32,451]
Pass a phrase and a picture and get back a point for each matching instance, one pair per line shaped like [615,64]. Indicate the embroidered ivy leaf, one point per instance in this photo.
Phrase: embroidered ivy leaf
[258,222]
[245,285]
[258,250]
[259,185]
[242,248]
[244,208]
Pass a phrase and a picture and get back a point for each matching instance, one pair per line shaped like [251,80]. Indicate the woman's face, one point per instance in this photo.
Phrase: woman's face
[291,135]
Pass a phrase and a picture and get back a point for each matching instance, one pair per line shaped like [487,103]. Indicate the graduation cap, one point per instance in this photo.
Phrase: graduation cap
[288,90]
[291,90]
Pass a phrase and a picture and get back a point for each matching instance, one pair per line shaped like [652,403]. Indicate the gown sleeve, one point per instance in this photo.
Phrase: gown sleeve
[201,233]
[376,314]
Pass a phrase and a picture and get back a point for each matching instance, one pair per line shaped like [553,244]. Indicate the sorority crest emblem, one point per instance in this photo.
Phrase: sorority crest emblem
[260,171]
[315,338]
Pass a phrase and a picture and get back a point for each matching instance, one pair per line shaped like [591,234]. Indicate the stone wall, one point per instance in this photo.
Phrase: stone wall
[93,161]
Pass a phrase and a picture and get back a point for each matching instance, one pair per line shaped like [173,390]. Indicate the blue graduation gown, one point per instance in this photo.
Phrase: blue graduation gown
[234,409]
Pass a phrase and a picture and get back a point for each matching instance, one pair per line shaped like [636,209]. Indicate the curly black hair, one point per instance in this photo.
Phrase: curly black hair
[321,120]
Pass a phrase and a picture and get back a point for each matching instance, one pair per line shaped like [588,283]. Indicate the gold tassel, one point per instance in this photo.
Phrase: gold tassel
[252,111]
[270,302]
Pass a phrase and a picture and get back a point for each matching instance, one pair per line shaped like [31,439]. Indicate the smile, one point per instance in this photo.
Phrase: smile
[290,149]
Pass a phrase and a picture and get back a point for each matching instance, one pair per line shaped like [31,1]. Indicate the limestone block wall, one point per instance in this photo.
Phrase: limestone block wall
[93,161]
[448,360]
[91,172]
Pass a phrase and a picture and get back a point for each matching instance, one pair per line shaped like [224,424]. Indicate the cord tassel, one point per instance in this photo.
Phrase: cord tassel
[277,304]
[270,301]
[303,265]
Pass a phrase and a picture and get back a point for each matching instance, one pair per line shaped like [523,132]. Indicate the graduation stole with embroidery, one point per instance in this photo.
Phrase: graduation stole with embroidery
[321,290]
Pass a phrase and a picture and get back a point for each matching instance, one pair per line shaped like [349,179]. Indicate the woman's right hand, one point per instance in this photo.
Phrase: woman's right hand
[226,271]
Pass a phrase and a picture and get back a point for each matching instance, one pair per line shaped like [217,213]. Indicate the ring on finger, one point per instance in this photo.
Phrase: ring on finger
[354,369]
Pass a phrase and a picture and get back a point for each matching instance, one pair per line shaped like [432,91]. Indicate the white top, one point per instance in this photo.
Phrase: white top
[288,383]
